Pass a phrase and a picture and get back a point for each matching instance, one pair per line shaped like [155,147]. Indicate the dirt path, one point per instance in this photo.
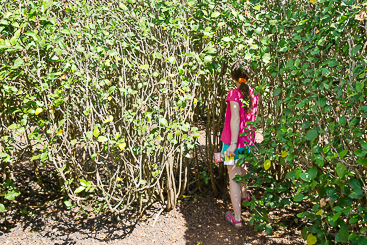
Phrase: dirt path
[196,220]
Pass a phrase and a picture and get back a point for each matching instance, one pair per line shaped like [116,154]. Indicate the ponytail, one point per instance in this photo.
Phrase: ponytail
[245,91]
[242,73]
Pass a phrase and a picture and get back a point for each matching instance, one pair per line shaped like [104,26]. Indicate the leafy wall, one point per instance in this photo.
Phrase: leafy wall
[110,95]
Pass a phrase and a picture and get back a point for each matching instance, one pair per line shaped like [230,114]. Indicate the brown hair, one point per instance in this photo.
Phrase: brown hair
[243,71]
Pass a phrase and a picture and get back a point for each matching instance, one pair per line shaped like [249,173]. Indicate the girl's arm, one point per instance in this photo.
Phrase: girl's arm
[235,126]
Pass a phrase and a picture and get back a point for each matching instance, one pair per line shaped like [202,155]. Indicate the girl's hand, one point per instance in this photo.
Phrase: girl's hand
[230,150]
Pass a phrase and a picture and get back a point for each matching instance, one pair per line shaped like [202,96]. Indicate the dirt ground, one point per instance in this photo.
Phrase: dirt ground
[196,220]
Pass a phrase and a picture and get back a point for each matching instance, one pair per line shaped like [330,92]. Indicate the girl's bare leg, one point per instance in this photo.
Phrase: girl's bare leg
[235,191]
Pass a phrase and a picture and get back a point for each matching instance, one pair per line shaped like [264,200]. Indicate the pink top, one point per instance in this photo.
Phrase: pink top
[248,140]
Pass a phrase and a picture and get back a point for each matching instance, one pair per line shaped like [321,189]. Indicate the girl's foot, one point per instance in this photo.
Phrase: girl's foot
[230,219]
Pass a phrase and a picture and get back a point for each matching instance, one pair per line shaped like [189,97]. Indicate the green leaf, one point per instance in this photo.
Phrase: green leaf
[341,169]
[32,34]
[362,161]
[12,194]
[311,134]
[185,127]
[83,182]
[163,122]
[2,208]
[269,229]
[17,63]
[343,233]
[89,134]
[35,157]
[191,2]
[65,31]
[79,189]
[333,63]
[343,153]
[311,239]
[171,60]
[226,39]
[68,203]
[215,14]
[102,139]
[73,142]
[112,52]
[364,145]
[356,49]
[360,153]
[266,58]
[362,241]
[355,184]
[342,120]
[298,197]
[359,86]
[96,132]
[312,172]
[144,67]
[208,59]
[277,91]
[305,177]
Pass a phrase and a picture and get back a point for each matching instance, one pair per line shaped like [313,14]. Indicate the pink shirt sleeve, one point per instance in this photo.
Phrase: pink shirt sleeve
[234,95]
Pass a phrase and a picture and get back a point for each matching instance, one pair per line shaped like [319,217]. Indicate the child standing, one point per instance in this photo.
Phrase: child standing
[241,111]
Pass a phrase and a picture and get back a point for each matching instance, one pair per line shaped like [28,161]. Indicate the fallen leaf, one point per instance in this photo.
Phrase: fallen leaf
[361,16]
[322,202]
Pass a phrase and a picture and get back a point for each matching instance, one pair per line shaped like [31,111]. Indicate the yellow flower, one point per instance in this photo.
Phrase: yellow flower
[119,179]
[60,132]
[317,31]
[63,77]
[195,101]
[196,75]
[122,146]
[313,1]
[267,164]
[38,111]
[109,98]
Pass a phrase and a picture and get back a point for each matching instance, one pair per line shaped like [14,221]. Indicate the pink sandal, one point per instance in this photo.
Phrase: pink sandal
[246,199]
[230,219]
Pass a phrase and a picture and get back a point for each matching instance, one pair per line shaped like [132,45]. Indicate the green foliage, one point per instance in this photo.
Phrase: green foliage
[110,94]
[316,76]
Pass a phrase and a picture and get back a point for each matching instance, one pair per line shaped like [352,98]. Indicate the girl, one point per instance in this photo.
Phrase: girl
[241,111]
